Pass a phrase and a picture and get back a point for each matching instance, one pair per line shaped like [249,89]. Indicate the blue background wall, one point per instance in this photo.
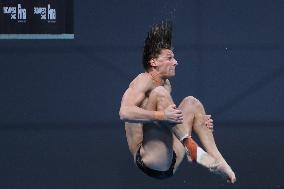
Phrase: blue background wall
[59,100]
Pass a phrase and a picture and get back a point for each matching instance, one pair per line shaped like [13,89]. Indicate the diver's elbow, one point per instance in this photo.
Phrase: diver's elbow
[122,115]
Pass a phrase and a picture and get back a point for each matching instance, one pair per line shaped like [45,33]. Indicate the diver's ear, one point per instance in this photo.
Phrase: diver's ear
[153,62]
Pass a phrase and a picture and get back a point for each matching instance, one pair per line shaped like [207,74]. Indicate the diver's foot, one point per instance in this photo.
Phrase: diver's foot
[223,169]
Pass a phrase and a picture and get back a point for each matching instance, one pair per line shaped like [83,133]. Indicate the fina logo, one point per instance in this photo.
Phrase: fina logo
[21,16]
[43,11]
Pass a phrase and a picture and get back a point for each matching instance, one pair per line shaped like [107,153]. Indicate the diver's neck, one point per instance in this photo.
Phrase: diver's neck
[156,77]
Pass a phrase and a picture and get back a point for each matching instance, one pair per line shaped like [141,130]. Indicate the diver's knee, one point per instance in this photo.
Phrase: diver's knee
[190,100]
[190,104]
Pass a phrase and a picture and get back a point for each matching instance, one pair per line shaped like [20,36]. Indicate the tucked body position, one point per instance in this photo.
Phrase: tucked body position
[158,131]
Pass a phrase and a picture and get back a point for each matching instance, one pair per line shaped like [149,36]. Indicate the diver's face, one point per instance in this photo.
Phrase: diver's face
[165,63]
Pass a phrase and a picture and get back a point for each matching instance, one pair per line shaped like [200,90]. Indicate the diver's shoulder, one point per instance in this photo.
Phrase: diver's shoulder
[141,79]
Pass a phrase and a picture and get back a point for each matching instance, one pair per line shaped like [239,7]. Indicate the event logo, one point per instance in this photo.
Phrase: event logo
[16,13]
[36,19]
[46,13]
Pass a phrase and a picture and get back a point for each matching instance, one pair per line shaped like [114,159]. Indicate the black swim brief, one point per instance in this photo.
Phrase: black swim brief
[154,173]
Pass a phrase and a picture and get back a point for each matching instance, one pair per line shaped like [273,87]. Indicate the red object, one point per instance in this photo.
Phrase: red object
[191,147]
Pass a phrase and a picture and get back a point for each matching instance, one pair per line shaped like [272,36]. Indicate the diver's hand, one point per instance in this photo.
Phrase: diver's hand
[208,122]
[173,115]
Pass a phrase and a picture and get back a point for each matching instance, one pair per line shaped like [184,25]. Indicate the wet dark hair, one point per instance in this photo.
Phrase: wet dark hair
[159,37]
